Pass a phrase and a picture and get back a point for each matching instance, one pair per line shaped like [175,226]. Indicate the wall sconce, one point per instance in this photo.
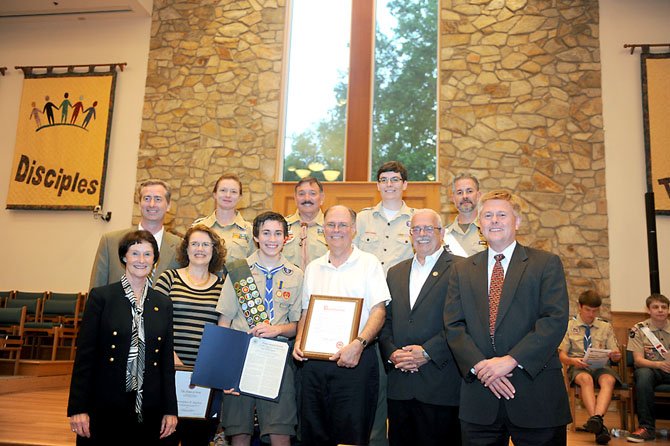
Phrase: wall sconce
[316,166]
[331,175]
[302,173]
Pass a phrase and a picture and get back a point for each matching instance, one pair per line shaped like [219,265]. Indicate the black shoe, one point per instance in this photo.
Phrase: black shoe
[603,437]
[594,424]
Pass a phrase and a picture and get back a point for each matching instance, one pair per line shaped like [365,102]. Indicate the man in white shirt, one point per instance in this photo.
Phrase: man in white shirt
[154,199]
[339,396]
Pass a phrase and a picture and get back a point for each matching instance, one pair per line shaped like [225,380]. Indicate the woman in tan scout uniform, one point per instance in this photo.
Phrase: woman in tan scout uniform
[226,221]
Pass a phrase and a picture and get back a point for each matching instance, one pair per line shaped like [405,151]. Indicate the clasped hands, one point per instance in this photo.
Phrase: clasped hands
[408,358]
[494,373]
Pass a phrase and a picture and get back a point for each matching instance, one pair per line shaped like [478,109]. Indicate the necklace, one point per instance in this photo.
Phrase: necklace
[194,282]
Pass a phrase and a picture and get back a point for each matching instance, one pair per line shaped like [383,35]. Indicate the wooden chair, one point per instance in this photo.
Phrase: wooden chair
[12,321]
[661,391]
[5,296]
[623,395]
[33,306]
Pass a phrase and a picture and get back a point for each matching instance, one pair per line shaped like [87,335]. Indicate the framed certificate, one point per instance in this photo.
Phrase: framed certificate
[330,324]
[192,401]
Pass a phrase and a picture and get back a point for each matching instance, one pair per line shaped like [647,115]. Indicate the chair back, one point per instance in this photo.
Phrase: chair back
[13,320]
[29,294]
[64,296]
[33,307]
[60,310]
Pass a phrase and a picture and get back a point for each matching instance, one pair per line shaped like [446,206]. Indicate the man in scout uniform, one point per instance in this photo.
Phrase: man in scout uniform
[649,342]
[262,296]
[464,236]
[587,330]
[383,230]
[305,241]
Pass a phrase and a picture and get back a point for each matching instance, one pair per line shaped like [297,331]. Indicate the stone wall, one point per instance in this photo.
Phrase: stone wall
[212,101]
[520,107]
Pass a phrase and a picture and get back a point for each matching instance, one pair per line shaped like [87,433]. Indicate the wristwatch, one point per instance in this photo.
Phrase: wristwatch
[362,341]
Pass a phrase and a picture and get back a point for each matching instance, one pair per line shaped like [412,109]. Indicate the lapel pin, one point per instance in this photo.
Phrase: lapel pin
[155,308]
[435,273]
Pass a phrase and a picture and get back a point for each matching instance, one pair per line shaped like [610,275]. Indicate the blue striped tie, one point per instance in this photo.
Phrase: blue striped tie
[269,302]
[587,337]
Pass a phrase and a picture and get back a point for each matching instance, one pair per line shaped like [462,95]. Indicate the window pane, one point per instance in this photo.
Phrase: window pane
[404,124]
[318,72]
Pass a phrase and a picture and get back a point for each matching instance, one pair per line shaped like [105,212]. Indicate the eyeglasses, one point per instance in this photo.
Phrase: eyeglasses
[332,225]
[392,180]
[416,230]
[199,244]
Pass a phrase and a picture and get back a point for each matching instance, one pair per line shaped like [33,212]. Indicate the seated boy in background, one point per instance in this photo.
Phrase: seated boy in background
[649,342]
[588,330]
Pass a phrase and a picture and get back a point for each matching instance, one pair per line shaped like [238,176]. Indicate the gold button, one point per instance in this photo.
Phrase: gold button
[111,359]
[114,333]
[113,346]
[160,339]
[155,364]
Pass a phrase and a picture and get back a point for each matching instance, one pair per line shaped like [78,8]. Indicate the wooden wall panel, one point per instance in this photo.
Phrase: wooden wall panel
[357,195]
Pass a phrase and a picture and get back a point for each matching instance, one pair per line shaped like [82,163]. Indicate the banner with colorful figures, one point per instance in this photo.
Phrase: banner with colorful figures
[62,139]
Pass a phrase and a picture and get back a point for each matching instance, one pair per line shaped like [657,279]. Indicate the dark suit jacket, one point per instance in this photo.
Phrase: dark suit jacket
[99,375]
[532,320]
[438,381]
[108,269]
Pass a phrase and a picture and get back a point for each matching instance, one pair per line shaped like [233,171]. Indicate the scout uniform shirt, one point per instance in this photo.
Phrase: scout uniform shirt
[388,240]
[639,342]
[602,336]
[472,240]
[286,295]
[316,240]
[238,235]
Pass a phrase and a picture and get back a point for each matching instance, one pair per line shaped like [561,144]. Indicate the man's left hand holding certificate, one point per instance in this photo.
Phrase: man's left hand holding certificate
[232,359]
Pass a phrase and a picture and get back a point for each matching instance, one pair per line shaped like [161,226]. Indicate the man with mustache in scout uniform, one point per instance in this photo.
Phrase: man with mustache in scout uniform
[262,296]
[306,241]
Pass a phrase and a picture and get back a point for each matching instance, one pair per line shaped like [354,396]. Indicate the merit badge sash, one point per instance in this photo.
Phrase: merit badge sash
[247,293]
[658,345]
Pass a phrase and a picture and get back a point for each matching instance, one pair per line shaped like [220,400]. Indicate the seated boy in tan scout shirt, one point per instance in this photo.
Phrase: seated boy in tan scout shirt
[587,330]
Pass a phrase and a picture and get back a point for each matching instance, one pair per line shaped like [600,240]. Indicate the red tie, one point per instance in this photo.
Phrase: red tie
[497,279]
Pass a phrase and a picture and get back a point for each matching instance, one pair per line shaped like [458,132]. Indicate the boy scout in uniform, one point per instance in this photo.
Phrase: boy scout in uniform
[587,330]
[306,240]
[650,341]
[383,230]
[262,296]
[226,221]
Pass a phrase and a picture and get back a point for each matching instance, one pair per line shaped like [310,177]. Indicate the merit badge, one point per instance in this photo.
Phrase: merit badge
[254,310]
[287,295]
[260,308]
[279,293]
[264,315]
[255,293]
[252,286]
[245,289]
[258,301]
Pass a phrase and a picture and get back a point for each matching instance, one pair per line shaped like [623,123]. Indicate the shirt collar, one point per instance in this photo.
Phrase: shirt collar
[430,260]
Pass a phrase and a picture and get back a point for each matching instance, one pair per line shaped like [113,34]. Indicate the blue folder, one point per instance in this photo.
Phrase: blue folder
[220,358]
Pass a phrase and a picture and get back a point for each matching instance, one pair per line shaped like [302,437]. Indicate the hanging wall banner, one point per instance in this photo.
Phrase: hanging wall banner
[62,138]
[656,110]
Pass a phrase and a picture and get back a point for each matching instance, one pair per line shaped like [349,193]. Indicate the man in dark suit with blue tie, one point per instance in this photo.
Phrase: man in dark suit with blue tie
[506,314]
[423,380]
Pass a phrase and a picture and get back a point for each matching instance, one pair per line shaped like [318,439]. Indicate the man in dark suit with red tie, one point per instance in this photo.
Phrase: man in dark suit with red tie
[506,314]
[423,380]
